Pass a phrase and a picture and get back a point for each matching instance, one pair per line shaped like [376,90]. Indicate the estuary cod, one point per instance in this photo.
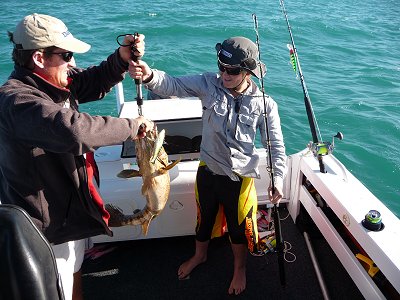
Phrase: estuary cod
[153,168]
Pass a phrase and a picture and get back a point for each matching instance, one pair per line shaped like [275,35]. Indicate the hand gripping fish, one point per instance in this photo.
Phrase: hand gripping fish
[153,167]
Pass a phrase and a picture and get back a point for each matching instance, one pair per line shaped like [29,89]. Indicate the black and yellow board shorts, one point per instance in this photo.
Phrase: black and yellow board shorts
[226,204]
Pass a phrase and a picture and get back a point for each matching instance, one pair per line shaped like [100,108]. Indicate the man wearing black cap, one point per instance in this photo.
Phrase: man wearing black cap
[233,110]
[46,143]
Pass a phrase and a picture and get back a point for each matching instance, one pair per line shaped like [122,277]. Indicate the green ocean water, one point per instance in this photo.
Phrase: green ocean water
[349,53]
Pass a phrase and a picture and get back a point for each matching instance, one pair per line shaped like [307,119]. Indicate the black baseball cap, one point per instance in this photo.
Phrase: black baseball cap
[240,52]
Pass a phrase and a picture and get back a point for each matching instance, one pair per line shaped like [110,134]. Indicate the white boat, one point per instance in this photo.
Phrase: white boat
[336,201]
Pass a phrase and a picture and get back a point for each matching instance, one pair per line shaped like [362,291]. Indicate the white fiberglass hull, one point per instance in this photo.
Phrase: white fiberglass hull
[337,192]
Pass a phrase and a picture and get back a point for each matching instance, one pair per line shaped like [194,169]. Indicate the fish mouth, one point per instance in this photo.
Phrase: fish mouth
[157,146]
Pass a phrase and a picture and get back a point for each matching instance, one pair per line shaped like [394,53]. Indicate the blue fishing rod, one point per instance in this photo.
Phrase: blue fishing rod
[277,220]
[318,147]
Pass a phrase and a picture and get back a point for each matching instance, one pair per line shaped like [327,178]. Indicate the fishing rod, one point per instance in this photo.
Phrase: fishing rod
[277,221]
[318,147]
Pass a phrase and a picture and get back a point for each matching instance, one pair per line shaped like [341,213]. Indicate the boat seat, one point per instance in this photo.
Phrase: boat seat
[27,264]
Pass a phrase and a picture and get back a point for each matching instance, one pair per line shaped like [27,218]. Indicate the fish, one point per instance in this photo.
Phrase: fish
[152,160]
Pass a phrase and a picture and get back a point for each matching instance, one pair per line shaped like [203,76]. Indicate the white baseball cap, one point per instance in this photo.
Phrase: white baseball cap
[39,31]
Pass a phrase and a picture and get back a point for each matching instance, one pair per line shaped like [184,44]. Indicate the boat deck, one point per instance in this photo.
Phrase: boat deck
[147,269]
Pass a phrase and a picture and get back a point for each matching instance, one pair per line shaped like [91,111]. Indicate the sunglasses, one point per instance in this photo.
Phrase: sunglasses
[229,71]
[66,56]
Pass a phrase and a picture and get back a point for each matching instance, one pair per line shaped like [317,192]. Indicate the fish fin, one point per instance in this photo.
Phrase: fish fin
[116,215]
[171,165]
[145,225]
[157,145]
[128,173]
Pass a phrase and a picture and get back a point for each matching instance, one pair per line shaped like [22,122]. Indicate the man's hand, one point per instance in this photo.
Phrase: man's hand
[140,70]
[278,194]
[137,42]
[143,126]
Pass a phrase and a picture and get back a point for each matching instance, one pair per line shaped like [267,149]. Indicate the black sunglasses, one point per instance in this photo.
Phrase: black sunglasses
[229,71]
[66,56]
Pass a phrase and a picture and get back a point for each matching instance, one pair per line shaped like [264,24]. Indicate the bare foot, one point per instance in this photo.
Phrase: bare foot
[238,283]
[187,267]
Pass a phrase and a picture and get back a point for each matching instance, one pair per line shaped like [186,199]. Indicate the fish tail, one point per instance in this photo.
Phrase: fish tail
[139,218]
[118,218]
[116,215]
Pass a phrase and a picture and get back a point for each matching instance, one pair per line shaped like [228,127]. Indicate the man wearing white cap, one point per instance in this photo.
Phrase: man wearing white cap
[46,144]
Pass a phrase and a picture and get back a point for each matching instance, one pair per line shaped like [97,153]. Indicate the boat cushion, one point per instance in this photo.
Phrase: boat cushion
[27,261]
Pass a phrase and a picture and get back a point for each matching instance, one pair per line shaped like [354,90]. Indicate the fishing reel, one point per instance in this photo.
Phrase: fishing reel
[324,148]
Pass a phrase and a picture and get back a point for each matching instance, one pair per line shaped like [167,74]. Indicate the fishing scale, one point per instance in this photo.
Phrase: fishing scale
[138,82]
